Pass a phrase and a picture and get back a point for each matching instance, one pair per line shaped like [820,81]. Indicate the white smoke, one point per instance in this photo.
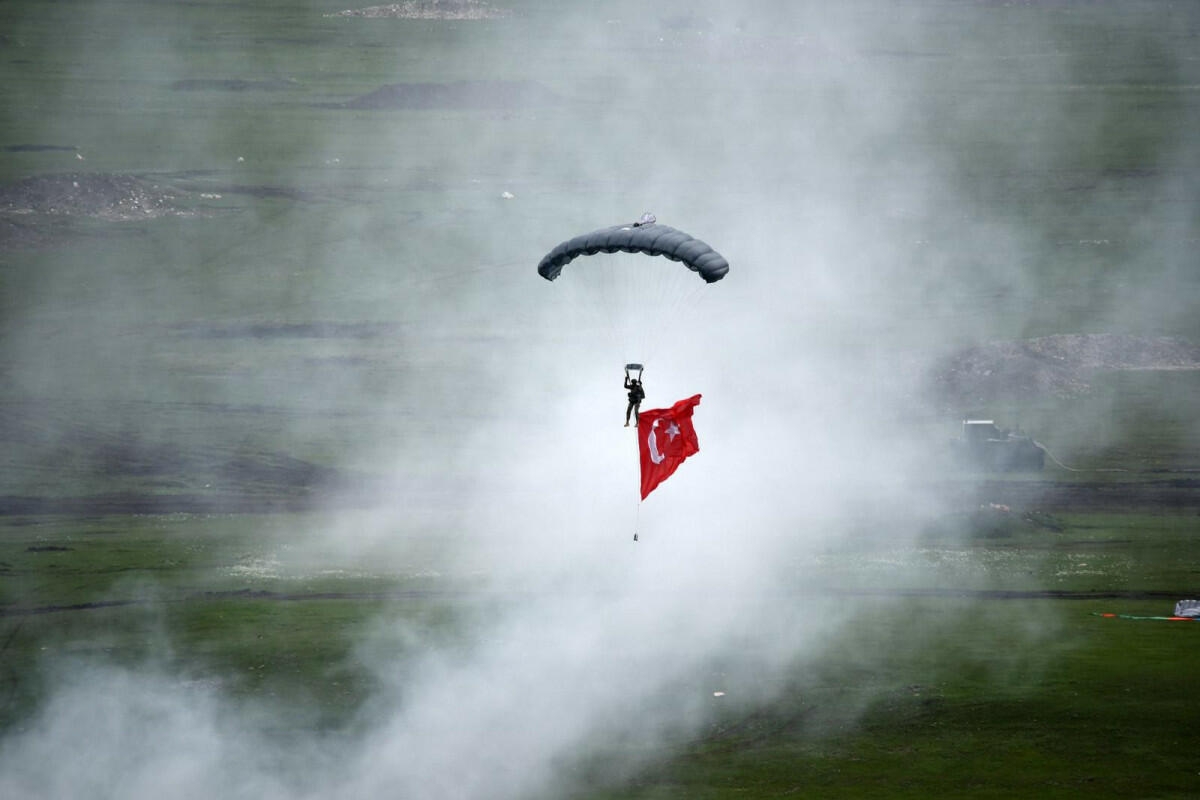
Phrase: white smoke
[788,138]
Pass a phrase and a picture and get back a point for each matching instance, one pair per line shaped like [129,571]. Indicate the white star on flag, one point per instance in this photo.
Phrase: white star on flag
[672,430]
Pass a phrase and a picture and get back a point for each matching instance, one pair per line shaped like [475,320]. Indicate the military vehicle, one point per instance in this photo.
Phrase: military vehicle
[985,445]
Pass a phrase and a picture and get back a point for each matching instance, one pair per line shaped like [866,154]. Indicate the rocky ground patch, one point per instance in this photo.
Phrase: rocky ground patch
[41,209]
[117,198]
[1052,366]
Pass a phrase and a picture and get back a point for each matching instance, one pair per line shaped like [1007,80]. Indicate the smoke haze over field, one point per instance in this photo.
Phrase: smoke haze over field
[889,181]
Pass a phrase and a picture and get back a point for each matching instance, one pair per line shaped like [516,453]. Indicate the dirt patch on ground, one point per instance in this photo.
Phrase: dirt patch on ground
[136,503]
[428,9]
[1052,366]
[286,330]
[131,470]
[467,95]
[16,234]
[234,85]
[40,148]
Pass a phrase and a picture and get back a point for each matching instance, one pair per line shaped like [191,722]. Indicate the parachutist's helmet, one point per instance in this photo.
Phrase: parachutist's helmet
[646,219]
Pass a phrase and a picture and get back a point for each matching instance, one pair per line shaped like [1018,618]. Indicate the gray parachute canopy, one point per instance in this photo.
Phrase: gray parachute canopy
[645,236]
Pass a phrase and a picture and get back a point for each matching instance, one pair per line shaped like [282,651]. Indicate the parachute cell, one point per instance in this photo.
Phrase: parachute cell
[647,237]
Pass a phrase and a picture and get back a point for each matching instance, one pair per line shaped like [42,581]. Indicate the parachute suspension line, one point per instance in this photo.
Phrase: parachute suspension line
[608,297]
[675,293]
[679,303]
[636,301]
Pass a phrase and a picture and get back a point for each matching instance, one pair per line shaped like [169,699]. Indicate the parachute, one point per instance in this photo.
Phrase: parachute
[644,236]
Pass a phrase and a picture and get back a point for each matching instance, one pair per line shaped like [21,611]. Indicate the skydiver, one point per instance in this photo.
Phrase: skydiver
[636,395]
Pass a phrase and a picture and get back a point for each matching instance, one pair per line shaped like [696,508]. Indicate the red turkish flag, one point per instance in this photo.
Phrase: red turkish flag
[665,438]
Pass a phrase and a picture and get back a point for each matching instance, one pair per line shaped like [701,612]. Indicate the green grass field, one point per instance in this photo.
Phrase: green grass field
[200,413]
[998,692]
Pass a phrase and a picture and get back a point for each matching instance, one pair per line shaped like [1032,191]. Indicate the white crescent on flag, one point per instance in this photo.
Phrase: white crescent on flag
[652,443]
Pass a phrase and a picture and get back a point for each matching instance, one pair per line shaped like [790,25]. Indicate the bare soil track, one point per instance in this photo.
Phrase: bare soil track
[428,9]
[427,594]
[1174,494]
[1052,366]
[295,486]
